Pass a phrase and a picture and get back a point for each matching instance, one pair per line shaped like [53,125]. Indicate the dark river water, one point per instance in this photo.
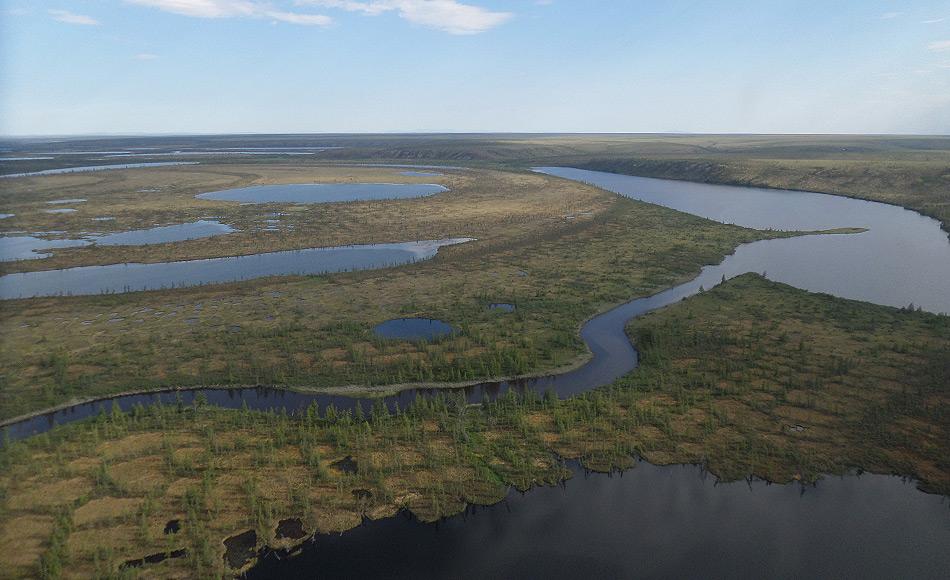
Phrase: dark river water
[653,522]
[668,522]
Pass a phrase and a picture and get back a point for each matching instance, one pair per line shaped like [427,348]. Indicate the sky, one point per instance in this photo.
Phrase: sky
[321,66]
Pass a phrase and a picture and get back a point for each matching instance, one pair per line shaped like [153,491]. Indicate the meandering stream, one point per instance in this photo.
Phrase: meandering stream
[903,258]
[669,521]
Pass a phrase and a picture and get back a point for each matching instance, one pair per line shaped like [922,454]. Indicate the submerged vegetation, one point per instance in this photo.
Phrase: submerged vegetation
[752,378]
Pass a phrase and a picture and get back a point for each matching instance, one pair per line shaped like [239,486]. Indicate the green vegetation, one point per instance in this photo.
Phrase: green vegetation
[911,171]
[315,333]
[493,206]
[752,378]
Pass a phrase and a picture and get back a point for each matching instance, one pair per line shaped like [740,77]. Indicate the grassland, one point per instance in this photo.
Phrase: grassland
[488,205]
[911,171]
[752,378]
[315,333]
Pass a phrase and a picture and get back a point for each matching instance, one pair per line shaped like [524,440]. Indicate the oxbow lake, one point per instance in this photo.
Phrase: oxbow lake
[669,521]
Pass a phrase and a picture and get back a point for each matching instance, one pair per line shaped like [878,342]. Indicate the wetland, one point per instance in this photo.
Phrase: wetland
[643,337]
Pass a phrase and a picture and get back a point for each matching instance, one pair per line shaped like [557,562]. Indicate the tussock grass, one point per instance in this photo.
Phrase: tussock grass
[316,333]
[751,379]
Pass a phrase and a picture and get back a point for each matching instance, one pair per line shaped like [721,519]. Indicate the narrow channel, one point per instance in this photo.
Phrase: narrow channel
[903,258]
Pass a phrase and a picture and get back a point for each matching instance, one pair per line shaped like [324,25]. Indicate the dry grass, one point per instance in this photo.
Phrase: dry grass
[487,205]
[315,333]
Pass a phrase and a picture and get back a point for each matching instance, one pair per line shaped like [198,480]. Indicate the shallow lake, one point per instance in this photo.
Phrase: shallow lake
[653,522]
[165,234]
[116,278]
[811,262]
[669,522]
[96,168]
[303,193]
[413,329]
[32,247]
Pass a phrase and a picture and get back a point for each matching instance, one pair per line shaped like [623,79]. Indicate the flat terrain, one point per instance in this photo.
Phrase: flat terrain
[492,206]
[752,378]
[315,333]
[912,171]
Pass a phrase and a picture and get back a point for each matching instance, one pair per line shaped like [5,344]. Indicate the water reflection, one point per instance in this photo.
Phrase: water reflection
[135,277]
[653,522]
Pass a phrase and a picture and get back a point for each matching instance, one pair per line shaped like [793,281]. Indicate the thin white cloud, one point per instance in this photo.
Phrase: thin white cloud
[69,18]
[234,9]
[297,18]
[932,21]
[939,46]
[891,15]
[449,16]
[145,56]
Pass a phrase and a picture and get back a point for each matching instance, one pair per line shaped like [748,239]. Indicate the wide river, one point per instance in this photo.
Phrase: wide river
[671,521]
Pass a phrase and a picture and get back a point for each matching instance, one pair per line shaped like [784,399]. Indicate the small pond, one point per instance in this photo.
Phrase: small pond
[413,329]
[64,201]
[303,193]
[501,306]
[60,210]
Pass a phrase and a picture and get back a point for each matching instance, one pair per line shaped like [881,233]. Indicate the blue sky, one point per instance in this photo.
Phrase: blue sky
[205,66]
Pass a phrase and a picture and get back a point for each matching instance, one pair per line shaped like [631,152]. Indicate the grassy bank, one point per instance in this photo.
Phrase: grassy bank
[317,332]
[923,186]
[489,205]
[752,378]
[912,171]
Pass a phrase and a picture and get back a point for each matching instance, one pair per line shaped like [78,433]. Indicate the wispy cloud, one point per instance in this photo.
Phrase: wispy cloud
[932,21]
[234,9]
[69,18]
[891,15]
[449,16]
[145,56]
[939,46]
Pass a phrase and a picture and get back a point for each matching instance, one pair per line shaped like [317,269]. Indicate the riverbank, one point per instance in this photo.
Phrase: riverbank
[750,379]
[920,186]
[317,332]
